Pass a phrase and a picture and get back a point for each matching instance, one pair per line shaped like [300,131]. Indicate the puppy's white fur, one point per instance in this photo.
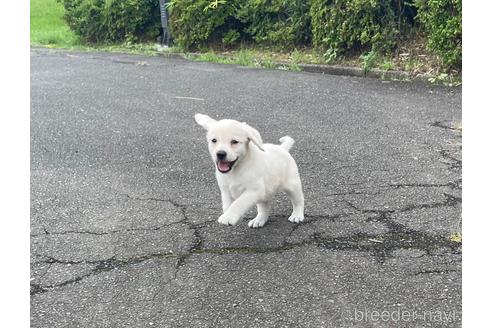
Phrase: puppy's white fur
[258,171]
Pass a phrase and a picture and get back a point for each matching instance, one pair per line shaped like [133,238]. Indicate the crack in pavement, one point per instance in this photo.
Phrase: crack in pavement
[100,266]
[452,184]
[399,237]
[102,233]
[436,271]
[456,184]
[381,246]
[98,233]
[453,163]
[450,201]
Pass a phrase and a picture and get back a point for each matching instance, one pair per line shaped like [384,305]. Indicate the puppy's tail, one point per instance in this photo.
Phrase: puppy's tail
[286,142]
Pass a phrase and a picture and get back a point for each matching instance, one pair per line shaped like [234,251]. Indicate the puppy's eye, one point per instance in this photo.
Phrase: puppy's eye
[214,140]
[234,142]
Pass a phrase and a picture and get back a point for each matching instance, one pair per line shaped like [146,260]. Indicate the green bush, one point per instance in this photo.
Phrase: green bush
[198,23]
[335,27]
[441,20]
[85,18]
[100,21]
[284,23]
[231,37]
[340,25]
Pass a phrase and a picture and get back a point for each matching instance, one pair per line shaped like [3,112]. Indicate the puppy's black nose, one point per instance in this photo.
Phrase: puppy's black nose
[221,155]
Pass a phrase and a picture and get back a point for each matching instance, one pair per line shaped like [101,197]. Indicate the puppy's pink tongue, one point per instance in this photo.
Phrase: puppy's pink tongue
[223,166]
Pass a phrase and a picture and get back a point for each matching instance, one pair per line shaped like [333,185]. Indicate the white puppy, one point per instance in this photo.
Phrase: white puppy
[249,172]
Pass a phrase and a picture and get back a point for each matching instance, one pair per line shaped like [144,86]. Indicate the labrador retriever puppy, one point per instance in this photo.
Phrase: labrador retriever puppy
[250,172]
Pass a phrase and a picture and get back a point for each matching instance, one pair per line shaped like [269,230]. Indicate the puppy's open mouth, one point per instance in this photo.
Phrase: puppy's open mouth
[224,166]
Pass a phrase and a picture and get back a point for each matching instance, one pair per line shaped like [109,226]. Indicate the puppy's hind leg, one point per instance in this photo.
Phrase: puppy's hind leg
[262,216]
[294,191]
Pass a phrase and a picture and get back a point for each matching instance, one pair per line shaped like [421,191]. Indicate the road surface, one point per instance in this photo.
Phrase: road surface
[124,201]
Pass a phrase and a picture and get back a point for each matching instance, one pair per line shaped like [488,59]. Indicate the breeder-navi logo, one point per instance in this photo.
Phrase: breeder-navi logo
[405,315]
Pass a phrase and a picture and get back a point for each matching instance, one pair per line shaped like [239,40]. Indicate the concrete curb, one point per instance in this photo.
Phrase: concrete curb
[311,68]
[326,69]
[355,71]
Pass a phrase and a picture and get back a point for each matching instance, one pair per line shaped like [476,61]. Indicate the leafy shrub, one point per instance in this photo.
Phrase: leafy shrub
[85,18]
[197,23]
[368,61]
[277,22]
[341,25]
[441,19]
[273,22]
[231,37]
[336,27]
[132,19]
[98,21]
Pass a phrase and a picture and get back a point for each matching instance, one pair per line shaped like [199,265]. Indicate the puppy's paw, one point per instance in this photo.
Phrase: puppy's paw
[294,218]
[228,219]
[257,222]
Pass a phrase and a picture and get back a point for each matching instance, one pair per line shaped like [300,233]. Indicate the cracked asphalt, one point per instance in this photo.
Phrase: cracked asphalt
[124,201]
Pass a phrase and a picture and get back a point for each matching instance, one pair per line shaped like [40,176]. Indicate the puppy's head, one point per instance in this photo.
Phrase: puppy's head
[228,140]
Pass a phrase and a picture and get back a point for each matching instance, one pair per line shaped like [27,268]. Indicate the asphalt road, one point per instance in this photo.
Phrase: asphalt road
[124,201]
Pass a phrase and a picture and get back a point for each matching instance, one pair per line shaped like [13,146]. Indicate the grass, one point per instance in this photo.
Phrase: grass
[411,56]
[289,60]
[244,57]
[368,61]
[48,27]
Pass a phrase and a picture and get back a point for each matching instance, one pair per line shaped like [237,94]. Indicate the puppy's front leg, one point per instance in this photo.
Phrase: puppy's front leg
[238,208]
[226,199]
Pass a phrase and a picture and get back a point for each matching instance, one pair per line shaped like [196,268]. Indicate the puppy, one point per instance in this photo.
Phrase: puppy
[250,172]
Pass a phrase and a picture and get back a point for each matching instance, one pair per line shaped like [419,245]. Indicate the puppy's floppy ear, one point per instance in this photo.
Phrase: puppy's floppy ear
[254,136]
[204,120]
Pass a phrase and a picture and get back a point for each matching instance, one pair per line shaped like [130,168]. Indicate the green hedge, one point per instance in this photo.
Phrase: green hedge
[340,26]
[100,21]
[196,23]
[200,23]
[441,20]
[281,23]
[335,27]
